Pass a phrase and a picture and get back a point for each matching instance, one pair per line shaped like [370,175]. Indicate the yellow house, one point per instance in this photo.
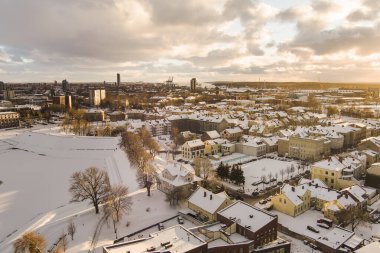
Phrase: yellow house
[333,173]
[292,200]
[211,147]
[206,204]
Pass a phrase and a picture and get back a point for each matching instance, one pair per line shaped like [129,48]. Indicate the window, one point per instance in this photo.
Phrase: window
[332,173]
[332,181]
[326,172]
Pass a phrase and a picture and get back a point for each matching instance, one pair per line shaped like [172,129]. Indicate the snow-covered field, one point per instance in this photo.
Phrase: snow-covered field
[263,167]
[35,168]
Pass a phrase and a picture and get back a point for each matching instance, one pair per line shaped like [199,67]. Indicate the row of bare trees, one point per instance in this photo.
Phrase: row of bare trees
[141,150]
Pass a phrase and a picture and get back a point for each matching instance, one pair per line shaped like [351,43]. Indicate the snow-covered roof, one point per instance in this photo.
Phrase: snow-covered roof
[179,173]
[330,164]
[369,248]
[357,192]
[213,134]
[181,239]
[194,143]
[248,216]
[336,237]
[207,200]
[234,130]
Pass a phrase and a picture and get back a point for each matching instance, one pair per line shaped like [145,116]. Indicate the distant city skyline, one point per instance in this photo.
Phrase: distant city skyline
[214,40]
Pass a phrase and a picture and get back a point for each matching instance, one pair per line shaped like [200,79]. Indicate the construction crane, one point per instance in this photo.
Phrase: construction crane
[170,82]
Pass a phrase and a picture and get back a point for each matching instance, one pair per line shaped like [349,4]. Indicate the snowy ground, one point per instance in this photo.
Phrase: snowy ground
[35,168]
[263,167]
[297,246]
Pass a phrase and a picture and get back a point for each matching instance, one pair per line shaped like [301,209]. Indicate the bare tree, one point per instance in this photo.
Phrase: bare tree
[276,176]
[61,245]
[292,169]
[270,176]
[71,229]
[117,204]
[353,216]
[30,242]
[263,179]
[174,196]
[282,172]
[202,167]
[92,184]
[287,170]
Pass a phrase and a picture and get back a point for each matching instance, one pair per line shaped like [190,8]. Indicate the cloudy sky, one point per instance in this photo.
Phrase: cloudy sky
[149,40]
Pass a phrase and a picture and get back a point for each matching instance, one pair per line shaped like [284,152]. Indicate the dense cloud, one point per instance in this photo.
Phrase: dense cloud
[44,40]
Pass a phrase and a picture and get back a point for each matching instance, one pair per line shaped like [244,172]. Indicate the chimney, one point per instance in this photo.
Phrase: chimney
[210,196]
[204,194]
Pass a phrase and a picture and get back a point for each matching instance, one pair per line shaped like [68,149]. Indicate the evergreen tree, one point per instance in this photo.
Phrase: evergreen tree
[220,170]
[234,174]
[223,171]
[240,179]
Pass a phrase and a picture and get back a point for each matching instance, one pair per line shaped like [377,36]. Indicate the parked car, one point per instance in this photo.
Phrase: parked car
[239,197]
[180,220]
[322,225]
[255,193]
[160,226]
[262,202]
[313,229]
[306,242]
[313,246]
[326,221]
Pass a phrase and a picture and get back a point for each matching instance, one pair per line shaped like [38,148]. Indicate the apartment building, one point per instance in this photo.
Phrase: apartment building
[334,173]
[192,149]
[253,223]
[158,127]
[251,146]
[173,239]
[306,148]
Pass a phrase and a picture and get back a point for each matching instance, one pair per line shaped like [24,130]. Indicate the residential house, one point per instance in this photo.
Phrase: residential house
[210,135]
[292,200]
[232,134]
[334,172]
[193,149]
[206,204]
[176,177]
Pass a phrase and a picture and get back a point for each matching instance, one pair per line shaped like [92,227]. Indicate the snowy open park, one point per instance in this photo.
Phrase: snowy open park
[35,168]
[253,171]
